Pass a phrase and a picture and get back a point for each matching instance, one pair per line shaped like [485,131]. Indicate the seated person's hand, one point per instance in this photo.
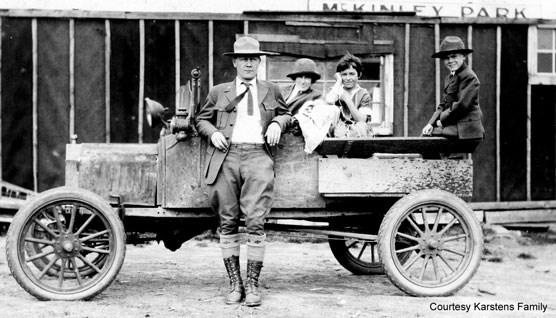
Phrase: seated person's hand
[295,128]
[219,141]
[427,131]
[439,124]
[338,77]
[345,96]
[273,134]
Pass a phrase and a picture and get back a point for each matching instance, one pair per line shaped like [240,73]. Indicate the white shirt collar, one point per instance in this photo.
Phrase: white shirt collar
[253,83]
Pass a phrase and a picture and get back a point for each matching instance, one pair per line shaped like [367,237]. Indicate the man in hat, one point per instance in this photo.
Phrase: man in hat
[242,121]
[458,115]
[304,75]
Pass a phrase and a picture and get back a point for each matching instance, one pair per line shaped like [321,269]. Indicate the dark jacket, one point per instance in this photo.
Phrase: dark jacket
[295,104]
[213,117]
[459,112]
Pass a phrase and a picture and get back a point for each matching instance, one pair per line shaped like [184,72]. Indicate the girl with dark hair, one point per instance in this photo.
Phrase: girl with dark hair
[353,101]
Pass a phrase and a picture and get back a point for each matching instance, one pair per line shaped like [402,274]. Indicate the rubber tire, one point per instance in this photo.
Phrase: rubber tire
[349,261]
[387,230]
[48,197]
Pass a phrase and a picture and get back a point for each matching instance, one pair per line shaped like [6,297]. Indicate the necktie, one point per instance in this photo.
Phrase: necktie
[239,97]
[249,99]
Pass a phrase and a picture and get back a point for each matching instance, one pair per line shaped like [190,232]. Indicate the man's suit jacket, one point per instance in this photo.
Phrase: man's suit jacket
[213,117]
[459,112]
[298,101]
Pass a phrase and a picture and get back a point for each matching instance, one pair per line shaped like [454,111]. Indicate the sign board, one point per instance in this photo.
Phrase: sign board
[504,9]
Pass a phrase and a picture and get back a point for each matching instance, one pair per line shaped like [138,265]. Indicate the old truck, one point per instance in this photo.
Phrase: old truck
[386,204]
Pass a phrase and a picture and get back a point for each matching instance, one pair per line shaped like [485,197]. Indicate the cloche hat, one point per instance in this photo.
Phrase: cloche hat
[451,44]
[304,67]
[247,46]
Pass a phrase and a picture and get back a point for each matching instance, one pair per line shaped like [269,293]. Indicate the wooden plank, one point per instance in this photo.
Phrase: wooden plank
[365,147]
[11,203]
[296,183]
[177,62]
[107,54]
[184,183]
[528,147]
[161,168]
[406,81]
[498,90]
[522,216]
[127,170]
[1,165]
[470,45]
[210,53]
[35,103]
[514,205]
[71,78]
[437,81]
[141,80]
[394,176]
[73,153]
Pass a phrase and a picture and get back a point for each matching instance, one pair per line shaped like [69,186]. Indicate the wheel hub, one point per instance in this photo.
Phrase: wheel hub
[67,245]
[431,244]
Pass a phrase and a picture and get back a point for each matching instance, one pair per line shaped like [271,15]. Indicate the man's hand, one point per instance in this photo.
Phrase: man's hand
[273,134]
[219,141]
[427,131]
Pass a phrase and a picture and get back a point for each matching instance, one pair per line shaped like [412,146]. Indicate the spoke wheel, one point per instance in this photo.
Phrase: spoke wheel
[357,256]
[66,244]
[442,243]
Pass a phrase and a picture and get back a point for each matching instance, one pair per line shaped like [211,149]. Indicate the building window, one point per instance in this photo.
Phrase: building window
[546,51]
[377,79]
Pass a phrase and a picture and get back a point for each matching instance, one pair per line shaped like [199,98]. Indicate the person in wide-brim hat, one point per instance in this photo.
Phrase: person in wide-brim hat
[459,114]
[247,46]
[304,67]
[450,45]
[304,75]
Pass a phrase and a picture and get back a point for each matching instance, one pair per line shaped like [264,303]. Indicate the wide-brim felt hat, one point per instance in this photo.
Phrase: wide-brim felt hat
[247,46]
[449,45]
[304,67]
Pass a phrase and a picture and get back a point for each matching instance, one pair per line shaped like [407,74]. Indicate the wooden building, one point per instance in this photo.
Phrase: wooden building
[87,73]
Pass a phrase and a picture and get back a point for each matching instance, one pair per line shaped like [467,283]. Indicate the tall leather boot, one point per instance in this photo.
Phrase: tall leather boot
[255,256]
[252,297]
[237,291]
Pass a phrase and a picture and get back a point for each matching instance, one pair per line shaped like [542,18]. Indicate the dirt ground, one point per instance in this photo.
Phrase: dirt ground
[298,280]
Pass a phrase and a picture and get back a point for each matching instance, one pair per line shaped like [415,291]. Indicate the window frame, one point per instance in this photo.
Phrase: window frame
[536,77]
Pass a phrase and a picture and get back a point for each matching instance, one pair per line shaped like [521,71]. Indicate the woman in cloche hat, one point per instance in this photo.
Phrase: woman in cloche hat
[459,114]
[304,74]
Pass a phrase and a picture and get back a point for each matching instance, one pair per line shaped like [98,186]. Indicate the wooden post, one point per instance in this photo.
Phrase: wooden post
[470,45]
[1,101]
[71,79]
[177,64]
[107,55]
[498,66]
[141,79]
[406,82]
[437,87]
[210,53]
[528,146]
[34,35]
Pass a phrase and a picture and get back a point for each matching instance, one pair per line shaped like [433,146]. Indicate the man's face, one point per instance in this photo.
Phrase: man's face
[247,66]
[453,61]
[349,77]
[303,83]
